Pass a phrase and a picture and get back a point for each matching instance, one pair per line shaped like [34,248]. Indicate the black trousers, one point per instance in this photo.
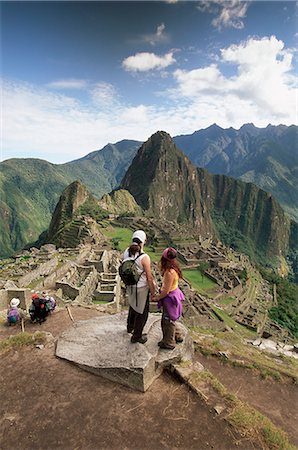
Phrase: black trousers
[137,321]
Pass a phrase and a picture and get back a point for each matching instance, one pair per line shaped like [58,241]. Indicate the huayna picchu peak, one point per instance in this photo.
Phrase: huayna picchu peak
[167,185]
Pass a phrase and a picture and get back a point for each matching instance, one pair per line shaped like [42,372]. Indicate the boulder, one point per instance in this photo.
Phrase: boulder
[102,346]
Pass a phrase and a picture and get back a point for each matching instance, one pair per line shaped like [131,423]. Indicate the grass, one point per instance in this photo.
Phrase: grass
[209,342]
[249,422]
[100,302]
[233,324]
[226,301]
[21,340]
[123,237]
[254,425]
[202,284]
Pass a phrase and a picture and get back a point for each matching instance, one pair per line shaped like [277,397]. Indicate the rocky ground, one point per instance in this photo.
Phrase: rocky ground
[49,403]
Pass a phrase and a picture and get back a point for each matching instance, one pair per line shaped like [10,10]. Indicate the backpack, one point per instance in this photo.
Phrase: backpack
[13,315]
[128,271]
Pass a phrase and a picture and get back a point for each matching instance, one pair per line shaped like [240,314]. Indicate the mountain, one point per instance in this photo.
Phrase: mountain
[30,189]
[167,185]
[267,157]
[69,225]
[120,202]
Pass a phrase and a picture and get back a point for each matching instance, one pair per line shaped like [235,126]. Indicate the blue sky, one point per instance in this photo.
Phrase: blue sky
[77,75]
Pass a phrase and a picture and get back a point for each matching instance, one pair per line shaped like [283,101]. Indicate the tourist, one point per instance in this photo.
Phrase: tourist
[39,309]
[138,294]
[13,314]
[170,299]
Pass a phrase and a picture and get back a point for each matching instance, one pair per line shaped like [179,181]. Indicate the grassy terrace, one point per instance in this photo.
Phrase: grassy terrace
[202,284]
[123,237]
[233,324]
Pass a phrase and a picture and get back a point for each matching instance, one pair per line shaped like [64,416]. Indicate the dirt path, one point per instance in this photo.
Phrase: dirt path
[276,400]
[47,403]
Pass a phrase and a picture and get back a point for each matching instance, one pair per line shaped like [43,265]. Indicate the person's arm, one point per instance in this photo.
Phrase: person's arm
[147,269]
[168,279]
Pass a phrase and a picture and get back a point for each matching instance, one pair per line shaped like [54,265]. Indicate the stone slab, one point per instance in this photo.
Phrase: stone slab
[102,346]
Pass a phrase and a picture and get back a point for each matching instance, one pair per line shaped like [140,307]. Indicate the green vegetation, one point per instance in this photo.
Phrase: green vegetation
[249,422]
[121,239]
[286,312]
[227,301]
[100,302]
[257,427]
[201,283]
[30,189]
[216,343]
[93,210]
[232,323]
[21,340]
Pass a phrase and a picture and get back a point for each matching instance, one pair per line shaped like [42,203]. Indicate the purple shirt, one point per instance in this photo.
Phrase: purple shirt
[172,304]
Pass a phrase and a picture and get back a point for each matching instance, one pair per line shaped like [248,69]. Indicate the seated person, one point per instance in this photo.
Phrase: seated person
[39,309]
[13,314]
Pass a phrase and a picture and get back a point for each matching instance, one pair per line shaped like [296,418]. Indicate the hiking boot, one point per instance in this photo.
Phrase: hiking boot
[141,339]
[179,340]
[129,330]
[166,346]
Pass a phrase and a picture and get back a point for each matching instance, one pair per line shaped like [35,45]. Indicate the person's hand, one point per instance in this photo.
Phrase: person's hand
[154,298]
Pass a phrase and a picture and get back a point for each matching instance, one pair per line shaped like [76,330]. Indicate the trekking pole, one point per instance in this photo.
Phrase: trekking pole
[22,325]
[69,313]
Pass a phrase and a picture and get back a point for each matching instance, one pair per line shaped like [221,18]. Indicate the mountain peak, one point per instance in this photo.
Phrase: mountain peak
[165,183]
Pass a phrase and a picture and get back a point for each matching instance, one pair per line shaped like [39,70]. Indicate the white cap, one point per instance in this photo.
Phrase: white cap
[141,235]
[14,302]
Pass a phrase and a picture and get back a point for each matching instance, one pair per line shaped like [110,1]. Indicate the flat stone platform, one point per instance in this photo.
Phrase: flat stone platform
[102,346]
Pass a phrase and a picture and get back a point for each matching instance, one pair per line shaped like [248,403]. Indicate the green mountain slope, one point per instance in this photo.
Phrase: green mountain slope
[267,157]
[30,189]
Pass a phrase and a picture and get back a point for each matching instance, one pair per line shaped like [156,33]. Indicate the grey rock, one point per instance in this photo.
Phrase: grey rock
[10,285]
[219,409]
[102,346]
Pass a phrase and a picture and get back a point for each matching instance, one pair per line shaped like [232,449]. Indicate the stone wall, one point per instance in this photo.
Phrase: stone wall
[86,276]
[100,260]
[3,299]
[88,288]
[108,289]
[42,270]
[6,295]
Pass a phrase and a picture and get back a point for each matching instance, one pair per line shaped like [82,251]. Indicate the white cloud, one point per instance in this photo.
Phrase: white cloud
[69,83]
[229,14]
[158,37]
[194,82]
[104,94]
[263,85]
[142,62]
[46,124]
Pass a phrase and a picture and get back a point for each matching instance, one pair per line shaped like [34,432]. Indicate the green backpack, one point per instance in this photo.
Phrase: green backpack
[128,271]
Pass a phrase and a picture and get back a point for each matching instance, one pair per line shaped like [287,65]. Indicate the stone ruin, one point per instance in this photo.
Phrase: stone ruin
[84,275]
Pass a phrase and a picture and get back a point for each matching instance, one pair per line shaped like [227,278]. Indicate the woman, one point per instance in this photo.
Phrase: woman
[170,298]
[138,295]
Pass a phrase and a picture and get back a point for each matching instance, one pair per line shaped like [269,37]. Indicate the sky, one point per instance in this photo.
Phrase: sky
[76,76]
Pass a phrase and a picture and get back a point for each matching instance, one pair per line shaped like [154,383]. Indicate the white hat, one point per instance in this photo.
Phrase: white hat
[141,235]
[14,302]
